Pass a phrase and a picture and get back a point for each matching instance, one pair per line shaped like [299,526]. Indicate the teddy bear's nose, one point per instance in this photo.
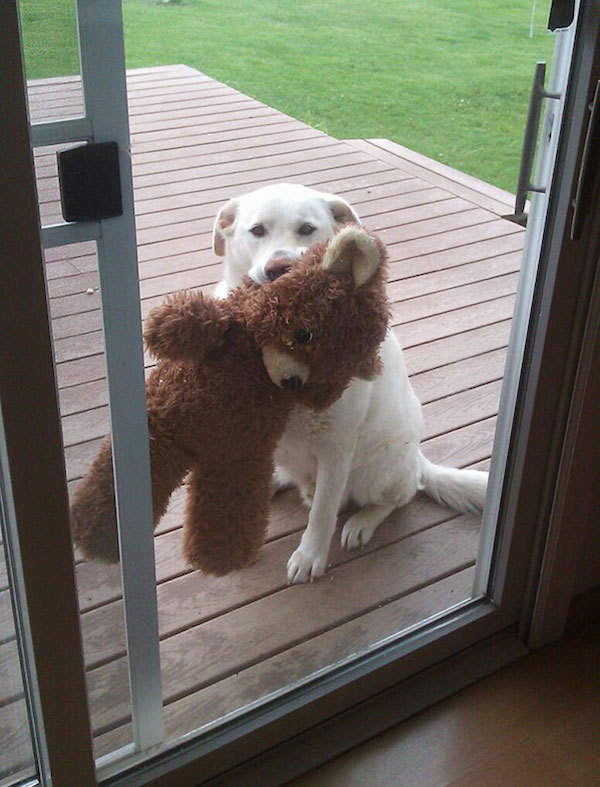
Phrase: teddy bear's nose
[279,263]
[293,383]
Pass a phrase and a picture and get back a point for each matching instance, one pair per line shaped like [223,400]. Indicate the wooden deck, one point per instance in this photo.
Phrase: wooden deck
[454,266]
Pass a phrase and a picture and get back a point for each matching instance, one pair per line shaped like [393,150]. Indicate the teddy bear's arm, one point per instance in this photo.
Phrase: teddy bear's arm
[93,513]
[186,326]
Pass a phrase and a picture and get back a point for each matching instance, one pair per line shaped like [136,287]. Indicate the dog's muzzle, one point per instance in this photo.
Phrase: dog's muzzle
[284,370]
[279,263]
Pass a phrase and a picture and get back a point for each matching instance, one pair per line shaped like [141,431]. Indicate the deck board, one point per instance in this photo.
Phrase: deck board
[274,674]
[203,654]
[454,263]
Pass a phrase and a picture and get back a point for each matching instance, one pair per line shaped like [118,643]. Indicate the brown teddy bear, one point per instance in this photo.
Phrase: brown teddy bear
[229,373]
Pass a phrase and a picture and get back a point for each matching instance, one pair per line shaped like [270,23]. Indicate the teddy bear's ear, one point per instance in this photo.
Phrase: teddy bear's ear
[353,251]
[224,224]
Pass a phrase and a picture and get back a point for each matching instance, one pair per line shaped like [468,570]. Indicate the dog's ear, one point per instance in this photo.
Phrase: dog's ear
[343,212]
[353,251]
[224,224]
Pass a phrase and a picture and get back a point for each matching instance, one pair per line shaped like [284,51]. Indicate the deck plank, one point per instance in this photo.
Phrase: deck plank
[186,599]
[264,627]
[453,272]
[495,199]
[456,347]
[273,675]
[206,608]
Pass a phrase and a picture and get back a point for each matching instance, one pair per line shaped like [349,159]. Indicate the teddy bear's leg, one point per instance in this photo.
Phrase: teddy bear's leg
[227,514]
[93,511]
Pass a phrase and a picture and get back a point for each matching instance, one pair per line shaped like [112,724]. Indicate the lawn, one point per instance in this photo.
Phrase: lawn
[447,78]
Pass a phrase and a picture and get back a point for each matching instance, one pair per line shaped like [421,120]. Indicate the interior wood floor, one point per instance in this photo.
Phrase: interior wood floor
[453,274]
[532,724]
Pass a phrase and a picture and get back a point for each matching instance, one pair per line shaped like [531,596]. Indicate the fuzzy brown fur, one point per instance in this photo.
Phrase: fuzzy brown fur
[215,413]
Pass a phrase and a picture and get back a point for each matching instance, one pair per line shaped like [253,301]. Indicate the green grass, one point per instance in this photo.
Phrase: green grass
[447,78]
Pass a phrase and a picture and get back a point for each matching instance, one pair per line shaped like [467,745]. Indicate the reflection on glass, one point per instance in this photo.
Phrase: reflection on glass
[50,49]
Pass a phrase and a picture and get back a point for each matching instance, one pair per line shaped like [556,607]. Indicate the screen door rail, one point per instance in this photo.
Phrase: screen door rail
[561,62]
[73,232]
[59,131]
[103,74]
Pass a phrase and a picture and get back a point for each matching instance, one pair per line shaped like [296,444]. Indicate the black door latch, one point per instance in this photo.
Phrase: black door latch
[90,184]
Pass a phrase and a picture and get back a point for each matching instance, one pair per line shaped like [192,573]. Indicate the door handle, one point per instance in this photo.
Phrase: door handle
[524,184]
[589,166]
[90,182]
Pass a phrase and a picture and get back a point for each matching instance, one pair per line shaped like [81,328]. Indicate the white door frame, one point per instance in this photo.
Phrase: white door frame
[536,223]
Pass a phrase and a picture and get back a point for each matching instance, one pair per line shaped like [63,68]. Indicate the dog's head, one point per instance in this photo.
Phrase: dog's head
[321,324]
[261,233]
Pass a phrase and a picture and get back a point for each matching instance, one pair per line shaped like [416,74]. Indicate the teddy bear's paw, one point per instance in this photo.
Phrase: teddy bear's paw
[304,566]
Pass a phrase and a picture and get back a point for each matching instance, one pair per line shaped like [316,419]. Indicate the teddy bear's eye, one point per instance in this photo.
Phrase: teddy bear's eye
[302,336]
[258,230]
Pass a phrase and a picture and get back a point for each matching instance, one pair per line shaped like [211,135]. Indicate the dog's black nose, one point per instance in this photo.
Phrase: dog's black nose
[293,383]
[276,267]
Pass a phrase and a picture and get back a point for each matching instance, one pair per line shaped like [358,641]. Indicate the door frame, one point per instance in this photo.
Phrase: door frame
[105,118]
[403,677]
[34,459]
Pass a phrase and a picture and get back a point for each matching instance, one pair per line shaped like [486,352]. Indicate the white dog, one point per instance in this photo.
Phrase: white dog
[365,448]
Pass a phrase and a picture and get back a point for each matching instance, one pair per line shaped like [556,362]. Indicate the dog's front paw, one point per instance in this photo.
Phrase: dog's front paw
[305,565]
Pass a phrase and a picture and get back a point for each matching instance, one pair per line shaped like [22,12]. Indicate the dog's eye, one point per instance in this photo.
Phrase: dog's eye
[306,229]
[258,230]
[303,336]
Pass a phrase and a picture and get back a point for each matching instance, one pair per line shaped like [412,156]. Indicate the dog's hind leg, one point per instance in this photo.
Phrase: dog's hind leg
[359,529]
[282,480]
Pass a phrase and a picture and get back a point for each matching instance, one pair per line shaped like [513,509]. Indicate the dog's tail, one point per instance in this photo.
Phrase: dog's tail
[462,490]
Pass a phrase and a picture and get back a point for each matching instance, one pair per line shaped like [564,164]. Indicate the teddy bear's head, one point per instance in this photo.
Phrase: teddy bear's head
[321,324]
[316,327]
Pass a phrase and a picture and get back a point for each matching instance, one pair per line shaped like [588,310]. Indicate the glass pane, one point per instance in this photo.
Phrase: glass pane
[72,278]
[17,760]
[231,642]
[55,93]
[50,49]
[228,643]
